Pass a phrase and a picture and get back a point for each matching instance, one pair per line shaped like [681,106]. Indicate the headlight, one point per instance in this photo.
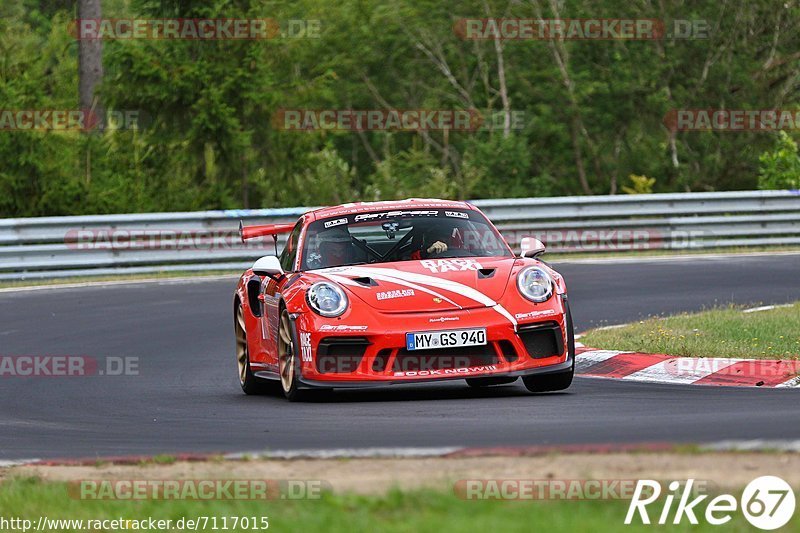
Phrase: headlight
[327,299]
[535,284]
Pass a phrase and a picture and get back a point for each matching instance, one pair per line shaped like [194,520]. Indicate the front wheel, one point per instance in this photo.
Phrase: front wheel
[288,365]
[557,380]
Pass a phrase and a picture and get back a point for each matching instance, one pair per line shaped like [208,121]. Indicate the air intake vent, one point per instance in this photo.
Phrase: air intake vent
[542,340]
[340,355]
[366,281]
[484,273]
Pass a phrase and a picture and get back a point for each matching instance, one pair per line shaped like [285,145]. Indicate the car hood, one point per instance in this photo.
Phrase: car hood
[426,285]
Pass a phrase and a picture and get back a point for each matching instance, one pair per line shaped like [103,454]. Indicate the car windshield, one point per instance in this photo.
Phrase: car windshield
[400,235]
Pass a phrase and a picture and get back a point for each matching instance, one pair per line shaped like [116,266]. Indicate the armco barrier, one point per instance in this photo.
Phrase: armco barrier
[75,246]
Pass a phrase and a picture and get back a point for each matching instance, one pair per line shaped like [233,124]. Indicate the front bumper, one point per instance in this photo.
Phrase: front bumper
[550,369]
[347,354]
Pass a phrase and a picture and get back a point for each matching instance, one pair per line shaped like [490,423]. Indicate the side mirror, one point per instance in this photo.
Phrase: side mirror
[531,247]
[269,265]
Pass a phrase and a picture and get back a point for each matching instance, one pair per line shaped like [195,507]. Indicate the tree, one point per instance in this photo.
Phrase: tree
[780,168]
[90,60]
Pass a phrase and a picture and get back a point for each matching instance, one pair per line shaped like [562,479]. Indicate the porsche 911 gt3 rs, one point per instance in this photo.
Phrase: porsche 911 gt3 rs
[368,294]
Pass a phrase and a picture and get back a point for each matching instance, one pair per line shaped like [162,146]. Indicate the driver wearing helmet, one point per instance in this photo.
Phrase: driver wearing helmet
[434,241]
[334,248]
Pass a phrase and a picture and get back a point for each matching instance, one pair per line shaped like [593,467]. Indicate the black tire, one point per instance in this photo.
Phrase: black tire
[288,363]
[249,382]
[488,382]
[557,380]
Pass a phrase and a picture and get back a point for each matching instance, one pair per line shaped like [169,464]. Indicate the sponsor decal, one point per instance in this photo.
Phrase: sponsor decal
[444,319]
[269,322]
[328,327]
[395,214]
[305,346]
[446,371]
[535,314]
[440,266]
[391,295]
[335,270]
[437,300]
[768,502]
[456,214]
[337,222]
[349,209]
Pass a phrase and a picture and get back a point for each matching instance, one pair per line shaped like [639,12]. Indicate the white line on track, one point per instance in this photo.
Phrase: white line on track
[766,308]
[666,258]
[346,452]
[20,462]
[754,445]
[89,284]
[586,359]
[615,326]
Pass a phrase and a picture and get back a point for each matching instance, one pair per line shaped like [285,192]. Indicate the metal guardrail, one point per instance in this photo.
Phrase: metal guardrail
[108,244]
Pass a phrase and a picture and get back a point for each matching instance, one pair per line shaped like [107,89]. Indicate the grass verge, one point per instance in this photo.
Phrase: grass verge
[421,511]
[555,257]
[117,277]
[720,332]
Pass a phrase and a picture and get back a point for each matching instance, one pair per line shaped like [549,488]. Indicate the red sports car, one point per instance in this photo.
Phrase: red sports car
[406,291]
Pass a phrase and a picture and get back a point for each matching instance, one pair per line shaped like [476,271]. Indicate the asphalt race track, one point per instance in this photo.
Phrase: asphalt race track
[187,398]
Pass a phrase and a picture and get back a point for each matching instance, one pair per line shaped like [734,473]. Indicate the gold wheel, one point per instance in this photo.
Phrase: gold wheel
[286,353]
[241,345]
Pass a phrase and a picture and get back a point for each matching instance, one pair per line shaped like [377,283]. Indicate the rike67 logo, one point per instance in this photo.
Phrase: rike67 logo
[767,502]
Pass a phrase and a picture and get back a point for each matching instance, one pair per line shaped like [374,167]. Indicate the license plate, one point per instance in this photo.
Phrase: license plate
[454,338]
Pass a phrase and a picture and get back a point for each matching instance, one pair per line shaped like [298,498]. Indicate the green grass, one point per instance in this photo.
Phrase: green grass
[720,332]
[417,511]
[159,460]
[118,277]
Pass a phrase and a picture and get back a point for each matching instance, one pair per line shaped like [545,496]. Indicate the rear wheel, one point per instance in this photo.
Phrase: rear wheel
[288,365]
[488,382]
[249,382]
[557,380]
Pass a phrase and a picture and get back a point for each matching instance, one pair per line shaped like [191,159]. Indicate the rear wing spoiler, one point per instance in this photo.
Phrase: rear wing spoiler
[253,232]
